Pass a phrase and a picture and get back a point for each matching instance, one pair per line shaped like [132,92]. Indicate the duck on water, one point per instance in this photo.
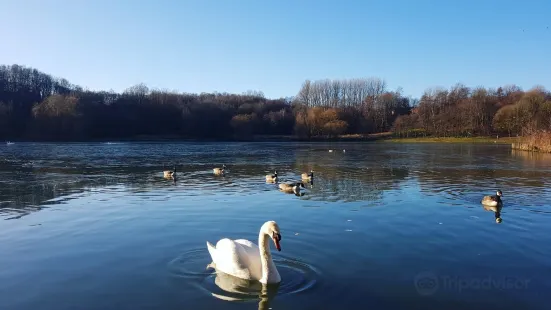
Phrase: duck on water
[492,200]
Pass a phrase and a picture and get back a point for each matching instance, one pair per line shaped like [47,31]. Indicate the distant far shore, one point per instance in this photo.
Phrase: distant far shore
[378,137]
[538,142]
[254,138]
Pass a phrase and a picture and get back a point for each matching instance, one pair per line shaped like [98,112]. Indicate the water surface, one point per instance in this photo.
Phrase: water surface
[383,226]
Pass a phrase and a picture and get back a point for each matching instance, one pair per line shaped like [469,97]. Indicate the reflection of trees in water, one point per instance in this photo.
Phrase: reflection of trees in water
[345,184]
[27,190]
[476,167]
[23,193]
[359,174]
[349,176]
[456,168]
[468,186]
[437,180]
[534,160]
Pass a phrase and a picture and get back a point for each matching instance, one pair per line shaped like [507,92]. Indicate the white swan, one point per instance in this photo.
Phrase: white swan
[244,259]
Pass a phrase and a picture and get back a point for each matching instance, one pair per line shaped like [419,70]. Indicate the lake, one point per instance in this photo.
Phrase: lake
[382,226]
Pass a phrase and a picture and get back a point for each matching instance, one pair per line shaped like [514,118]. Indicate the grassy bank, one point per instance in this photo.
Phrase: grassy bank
[389,137]
[341,138]
[523,143]
[501,140]
[538,142]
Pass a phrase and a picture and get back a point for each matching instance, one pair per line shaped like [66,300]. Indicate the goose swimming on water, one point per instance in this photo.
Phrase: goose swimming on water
[492,200]
[291,187]
[308,176]
[170,173]
[272,177]
[220,171]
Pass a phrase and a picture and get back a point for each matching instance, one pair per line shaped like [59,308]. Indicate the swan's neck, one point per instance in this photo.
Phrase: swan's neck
[269,270]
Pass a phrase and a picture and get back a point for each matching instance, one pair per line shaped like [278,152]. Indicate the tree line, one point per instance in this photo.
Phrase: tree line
[37,106]
[461,111]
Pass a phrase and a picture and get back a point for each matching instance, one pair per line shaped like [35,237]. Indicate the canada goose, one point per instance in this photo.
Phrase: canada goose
[291,187]
[308,176]
[170,173]
[493,200]
[272,177]
[220,171]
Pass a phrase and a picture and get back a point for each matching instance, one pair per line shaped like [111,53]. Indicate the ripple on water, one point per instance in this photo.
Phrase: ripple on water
[296,277]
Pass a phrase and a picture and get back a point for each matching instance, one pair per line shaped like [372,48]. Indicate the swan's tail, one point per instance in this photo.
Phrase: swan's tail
[212,251]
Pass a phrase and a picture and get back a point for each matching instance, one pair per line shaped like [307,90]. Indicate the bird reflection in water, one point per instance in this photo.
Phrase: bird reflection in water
[301,193]
[243,290]
[171,178]
[496,210]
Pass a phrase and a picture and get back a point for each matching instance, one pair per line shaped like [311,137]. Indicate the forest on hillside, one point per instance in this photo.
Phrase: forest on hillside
[37,106]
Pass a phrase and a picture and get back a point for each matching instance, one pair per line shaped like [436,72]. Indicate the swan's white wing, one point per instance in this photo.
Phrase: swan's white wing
[253,253]
[249,246]
[237,258]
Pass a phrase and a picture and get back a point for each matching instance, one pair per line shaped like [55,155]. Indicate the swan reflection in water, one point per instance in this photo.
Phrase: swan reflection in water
[243,290]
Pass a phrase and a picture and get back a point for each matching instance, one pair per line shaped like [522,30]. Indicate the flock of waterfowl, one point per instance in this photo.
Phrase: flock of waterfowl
[242,258]
[490,201]
[292,187]
[288,187]
[245,260]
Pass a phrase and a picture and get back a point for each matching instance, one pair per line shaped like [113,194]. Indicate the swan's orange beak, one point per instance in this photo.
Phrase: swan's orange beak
[277,238]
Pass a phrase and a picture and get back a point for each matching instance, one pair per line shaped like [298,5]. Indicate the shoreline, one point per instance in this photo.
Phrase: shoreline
[530,147]
[256,138]
[385,137]
[478,139]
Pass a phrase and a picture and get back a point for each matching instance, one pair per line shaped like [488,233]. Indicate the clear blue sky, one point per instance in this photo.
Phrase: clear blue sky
[273,46]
